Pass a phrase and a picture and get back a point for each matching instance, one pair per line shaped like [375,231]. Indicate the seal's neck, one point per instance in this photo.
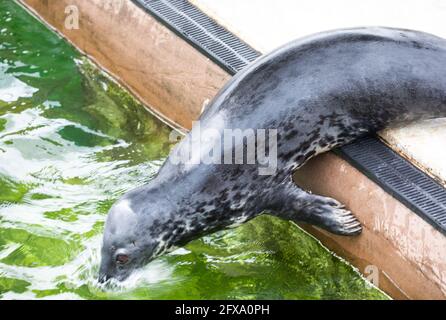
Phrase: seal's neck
[179,209]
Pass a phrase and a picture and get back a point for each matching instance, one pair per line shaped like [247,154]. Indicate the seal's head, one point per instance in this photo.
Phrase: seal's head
[131,238]
[155,219]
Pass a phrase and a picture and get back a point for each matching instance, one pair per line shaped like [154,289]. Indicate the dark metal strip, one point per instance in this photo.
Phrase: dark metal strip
[190,23]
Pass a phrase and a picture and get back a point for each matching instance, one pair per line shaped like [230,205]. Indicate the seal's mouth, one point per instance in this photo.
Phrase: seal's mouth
[103,278]
[107,273]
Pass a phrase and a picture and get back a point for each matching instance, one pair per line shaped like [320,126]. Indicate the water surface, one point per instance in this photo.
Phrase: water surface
[71,142]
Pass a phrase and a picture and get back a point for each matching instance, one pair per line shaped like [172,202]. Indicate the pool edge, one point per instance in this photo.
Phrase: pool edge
[404,272]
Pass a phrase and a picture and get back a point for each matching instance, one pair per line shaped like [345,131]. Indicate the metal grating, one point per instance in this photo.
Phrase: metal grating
[202,32]
[397,176]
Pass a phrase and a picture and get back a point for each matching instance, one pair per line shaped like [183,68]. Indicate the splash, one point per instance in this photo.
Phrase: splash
[11,88]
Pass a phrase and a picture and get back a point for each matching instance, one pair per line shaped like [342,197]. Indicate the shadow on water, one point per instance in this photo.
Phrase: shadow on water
[71,142]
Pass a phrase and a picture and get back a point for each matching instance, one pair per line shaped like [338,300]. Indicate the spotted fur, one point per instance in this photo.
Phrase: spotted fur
[319,92]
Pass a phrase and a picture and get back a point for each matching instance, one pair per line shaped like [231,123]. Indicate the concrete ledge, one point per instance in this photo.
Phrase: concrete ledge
[168,75]
[408,252]
[175,81]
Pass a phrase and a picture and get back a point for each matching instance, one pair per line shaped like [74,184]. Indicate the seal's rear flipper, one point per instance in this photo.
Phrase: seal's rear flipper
[330,215]
[293,203]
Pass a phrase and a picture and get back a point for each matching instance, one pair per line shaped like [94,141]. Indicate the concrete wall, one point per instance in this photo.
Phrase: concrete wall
[167,74]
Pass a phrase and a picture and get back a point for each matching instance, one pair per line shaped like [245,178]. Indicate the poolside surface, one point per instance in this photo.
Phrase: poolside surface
[71,142]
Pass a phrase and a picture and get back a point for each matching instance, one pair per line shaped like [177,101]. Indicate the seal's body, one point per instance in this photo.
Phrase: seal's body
[320,92]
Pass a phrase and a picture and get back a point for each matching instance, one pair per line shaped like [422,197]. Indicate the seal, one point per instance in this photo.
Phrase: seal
[318,93]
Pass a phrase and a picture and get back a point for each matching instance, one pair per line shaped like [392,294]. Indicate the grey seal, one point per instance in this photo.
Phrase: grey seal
[319,93]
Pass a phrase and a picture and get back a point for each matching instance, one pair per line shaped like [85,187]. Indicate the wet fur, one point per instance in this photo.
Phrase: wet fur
[320,92]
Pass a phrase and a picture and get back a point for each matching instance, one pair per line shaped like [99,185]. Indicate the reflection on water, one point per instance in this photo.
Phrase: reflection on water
[72,142]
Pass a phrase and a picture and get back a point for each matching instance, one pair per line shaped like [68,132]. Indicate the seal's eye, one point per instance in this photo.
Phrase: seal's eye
[122,258]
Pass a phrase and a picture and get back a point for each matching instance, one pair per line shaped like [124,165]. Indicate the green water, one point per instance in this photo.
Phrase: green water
[71,142]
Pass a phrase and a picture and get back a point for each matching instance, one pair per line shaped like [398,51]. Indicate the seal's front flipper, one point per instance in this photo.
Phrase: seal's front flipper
[293,203]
